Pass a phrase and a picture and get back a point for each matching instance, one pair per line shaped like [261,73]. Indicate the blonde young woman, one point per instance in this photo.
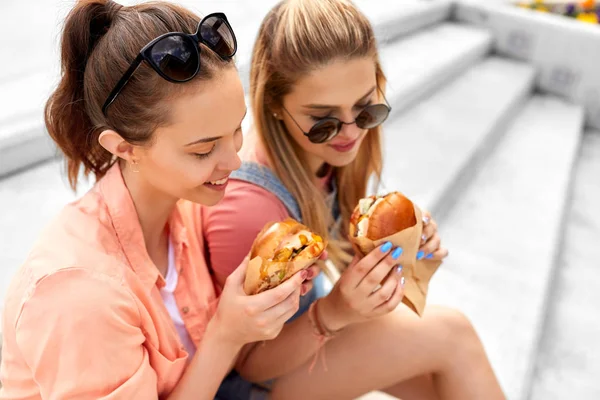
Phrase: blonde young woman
[317,99]
[115,301]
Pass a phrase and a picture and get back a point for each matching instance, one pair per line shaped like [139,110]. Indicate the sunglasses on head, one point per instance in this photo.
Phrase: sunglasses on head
[329,127]
[175,56]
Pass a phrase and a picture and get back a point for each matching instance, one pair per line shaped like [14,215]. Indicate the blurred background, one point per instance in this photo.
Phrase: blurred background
[495,128]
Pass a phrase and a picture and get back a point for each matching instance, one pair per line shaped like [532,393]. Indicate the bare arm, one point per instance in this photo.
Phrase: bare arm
[294,346]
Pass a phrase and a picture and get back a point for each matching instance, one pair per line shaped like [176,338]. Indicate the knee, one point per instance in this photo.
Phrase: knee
[455,326]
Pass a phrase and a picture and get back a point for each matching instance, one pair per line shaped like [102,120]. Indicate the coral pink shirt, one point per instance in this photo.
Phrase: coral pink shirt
[84,317]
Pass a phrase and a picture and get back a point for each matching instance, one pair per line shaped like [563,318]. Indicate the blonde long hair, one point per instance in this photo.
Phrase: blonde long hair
[296,37]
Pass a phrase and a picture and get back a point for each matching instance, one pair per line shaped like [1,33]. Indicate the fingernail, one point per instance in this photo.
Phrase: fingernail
[420,255]
[386,247]
[423,238]
[402,281]
[304,274]
[429,256]
[397,253]
[425,220]
[399,268]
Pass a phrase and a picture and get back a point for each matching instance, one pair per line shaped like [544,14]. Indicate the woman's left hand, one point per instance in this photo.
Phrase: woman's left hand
[431,248]
[313,271]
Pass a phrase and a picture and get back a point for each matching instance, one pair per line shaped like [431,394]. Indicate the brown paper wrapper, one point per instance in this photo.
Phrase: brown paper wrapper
[417,273]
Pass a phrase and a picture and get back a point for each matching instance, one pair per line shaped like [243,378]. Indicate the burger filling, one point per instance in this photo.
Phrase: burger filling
[366,208]
[295,245]
[289,250]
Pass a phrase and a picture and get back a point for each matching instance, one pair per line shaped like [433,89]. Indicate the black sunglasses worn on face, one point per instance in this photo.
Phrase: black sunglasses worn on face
[175,56]
[329,127]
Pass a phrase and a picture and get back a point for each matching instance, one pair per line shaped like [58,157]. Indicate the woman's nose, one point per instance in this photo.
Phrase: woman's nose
[350,131]
[231,160]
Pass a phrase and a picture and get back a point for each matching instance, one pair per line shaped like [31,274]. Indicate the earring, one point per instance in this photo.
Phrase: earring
[275,115]
[134,166]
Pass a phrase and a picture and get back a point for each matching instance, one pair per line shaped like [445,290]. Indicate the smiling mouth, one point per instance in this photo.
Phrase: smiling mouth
[345,144]
[343,147]
[218,182]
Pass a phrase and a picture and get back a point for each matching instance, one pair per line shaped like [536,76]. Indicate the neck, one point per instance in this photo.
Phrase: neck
[153,209]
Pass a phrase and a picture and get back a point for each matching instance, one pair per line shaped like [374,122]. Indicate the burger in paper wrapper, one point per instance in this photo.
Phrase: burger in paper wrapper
[279,251]
[394,218]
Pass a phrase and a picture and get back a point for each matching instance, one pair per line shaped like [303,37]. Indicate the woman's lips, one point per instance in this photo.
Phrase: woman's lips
[218,185]
[344,147]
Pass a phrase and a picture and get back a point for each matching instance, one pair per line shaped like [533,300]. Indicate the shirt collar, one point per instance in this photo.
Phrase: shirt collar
[129,232]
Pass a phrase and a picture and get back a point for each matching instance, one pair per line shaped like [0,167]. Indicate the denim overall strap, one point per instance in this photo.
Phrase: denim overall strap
[263,176]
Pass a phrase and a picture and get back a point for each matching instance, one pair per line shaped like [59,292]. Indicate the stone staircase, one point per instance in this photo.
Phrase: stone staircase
[485,135]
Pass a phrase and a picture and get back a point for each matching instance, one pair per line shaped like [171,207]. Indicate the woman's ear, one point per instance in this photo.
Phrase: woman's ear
[274,108]
[118,146]
[277,113]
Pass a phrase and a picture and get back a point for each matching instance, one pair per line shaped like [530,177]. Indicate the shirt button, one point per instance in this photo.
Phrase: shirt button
[185,310]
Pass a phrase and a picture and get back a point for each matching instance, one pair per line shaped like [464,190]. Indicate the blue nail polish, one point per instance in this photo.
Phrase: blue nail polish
[399,268]
[429,256]
[420,255]
[397,253]
[386,247]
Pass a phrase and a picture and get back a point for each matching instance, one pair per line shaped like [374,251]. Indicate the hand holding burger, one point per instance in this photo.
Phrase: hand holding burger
[394,218]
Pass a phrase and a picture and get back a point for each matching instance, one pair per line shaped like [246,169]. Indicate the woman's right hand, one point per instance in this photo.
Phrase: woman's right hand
[359,294]
[242,319]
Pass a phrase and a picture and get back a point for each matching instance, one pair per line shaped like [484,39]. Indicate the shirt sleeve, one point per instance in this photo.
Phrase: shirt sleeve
[80,335]
[231,226]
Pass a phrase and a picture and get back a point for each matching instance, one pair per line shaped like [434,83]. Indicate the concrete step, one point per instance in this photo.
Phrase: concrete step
[419,64]
[568,364]
[393,19]
[563,50]
[23,140]
[23,137]
[504,234]
[432,149]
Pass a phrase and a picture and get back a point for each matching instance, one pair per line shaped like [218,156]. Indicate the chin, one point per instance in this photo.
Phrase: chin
[205,197]
[340,160]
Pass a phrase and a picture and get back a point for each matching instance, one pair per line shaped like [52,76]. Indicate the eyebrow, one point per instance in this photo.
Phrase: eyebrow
[325,106]
[213,138]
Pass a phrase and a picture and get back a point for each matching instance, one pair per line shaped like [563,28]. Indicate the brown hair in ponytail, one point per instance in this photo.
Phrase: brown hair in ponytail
[99,42]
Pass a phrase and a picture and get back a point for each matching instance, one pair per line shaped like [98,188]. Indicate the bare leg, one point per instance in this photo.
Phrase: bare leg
[418,388]
[397,348]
